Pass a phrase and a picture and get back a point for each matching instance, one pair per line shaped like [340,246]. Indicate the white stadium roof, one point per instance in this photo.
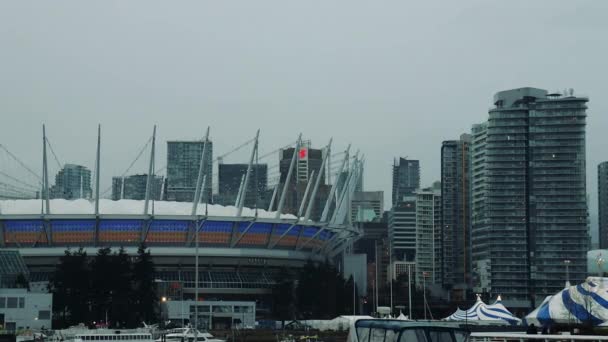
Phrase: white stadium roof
[126,207]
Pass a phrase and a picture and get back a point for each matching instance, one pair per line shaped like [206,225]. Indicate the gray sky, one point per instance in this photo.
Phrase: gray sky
[395,78]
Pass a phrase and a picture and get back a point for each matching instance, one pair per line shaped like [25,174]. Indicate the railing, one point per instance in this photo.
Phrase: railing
[504,337]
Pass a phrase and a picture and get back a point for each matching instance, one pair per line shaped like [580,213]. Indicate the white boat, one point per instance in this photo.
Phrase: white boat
[381,330]
[103,335]
[187,335]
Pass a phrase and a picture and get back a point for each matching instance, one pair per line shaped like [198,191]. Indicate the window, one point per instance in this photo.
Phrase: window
[11,302]
[413,335]
[440,336]
[2,302]
[377,335]
[44,314]
[21,302]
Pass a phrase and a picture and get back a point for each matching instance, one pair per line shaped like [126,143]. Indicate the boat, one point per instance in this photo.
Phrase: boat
[82,334]
[187,335]
[381,330]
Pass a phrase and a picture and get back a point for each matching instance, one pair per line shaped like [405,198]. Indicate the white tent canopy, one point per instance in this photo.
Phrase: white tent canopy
[480,311]
[586,302]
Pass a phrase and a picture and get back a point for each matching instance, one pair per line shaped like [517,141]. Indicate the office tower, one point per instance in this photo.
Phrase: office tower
[367,206]
[307,161]
[230,177]
[72,182]
[183,160]
[456,199]
[402,229]
[479,233]
[536,205]
[428,236]
[602,201]
[134,187]
[406,178]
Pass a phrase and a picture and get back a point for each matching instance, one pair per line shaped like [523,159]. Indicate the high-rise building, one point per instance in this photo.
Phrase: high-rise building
[134,187]
[402,229]
[364,204]
[602,201]
[536,205]
[229,183]
[307,161]
[428,236]
[456,223]
[72,182]
[479,232]
[183,161]
[406,178]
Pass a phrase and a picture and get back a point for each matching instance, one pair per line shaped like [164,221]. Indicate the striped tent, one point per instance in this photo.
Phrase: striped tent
[480,311]
[497,311]
[586,302]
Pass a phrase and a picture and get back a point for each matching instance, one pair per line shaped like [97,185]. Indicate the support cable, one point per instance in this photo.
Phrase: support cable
[53,153]
[21,163]
[141,152]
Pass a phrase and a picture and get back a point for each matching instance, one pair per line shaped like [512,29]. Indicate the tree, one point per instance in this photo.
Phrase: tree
[283,295]
[102,281]
[71,287]
[308,291]
[144,294]
[121,290]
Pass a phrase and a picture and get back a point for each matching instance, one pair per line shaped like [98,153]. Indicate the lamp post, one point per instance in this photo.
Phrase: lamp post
[567,264]
[163,299]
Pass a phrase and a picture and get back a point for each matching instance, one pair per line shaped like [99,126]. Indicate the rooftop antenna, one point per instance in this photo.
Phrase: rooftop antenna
[311,202]
[97,170]
[150,171]
[334,186]
[303,202]
[288,179]
[247,176]
[274,196]
[201,169]
[45,173]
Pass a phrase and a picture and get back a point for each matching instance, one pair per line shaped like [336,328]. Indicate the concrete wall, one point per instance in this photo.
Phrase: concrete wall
[33,310]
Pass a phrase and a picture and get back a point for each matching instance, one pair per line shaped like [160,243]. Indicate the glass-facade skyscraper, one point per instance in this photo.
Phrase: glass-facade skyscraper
[406,178]
[72,182]
[455,213]
[535,194]
[602,201]
[183,161]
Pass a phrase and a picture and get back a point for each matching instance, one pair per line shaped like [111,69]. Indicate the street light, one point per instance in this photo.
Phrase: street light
[567,263]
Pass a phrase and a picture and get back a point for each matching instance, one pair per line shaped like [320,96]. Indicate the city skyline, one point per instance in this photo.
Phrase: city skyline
[63,89]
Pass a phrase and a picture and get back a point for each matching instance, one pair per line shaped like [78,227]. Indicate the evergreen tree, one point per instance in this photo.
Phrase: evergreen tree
[121,290]
[283,295]
[71,288]
[307,290]
[102,281]
[144,295]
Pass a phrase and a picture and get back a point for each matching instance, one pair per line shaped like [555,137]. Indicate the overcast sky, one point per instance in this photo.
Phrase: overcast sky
[395,78]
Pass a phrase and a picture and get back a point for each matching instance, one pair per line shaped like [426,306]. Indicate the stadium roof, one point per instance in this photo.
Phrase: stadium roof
[127,207]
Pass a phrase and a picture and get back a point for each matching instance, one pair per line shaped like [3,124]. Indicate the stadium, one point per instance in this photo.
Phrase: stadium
[239,250]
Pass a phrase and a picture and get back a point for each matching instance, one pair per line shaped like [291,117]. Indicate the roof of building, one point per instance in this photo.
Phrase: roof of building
[11,263]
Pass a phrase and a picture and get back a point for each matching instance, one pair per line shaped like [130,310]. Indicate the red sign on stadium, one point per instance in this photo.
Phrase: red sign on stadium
[303,153]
